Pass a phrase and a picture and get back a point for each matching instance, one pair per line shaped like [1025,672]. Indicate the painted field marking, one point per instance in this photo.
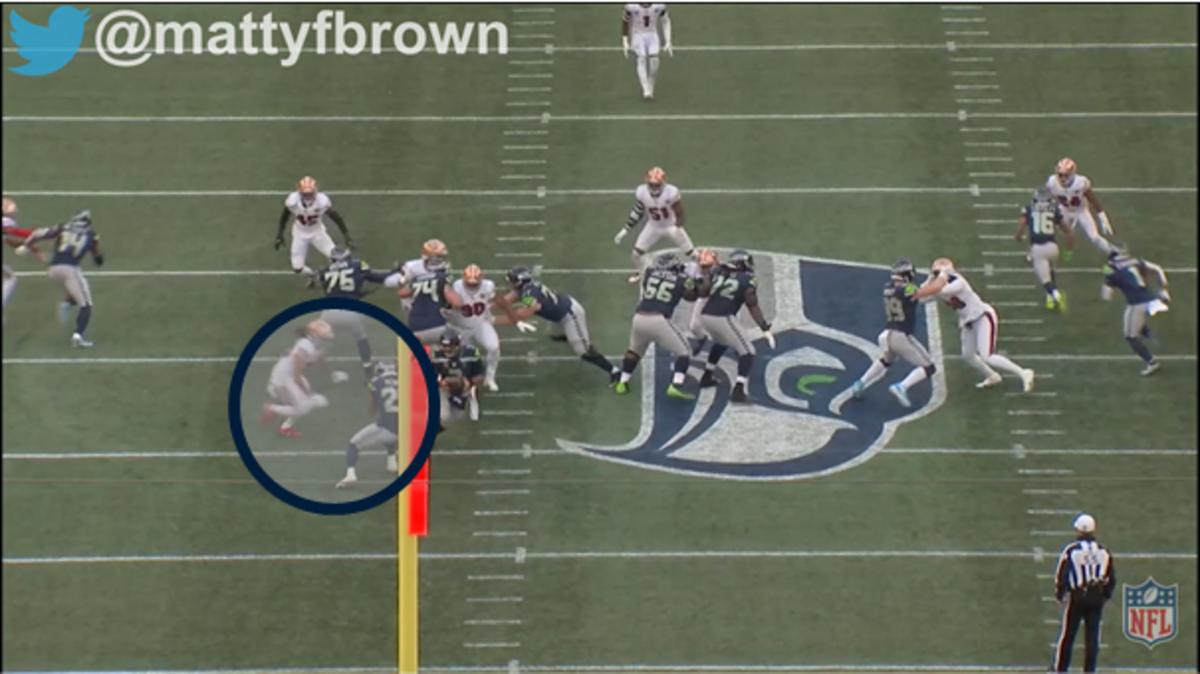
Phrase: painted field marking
[1045,471]
[604,192]
[1051,511]
[503,492]
[568,555]
[1050,492]
[500,534]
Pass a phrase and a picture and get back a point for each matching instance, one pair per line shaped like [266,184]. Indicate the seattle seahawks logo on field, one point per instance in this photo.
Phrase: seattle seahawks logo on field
[802,422]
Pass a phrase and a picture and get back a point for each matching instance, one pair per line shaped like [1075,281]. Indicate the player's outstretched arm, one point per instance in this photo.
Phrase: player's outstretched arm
[1105,225]
[283,221]
[678,208]
[96,254]
[341,225]
[932,286]
[1022,225]
[668,46]
[625,34]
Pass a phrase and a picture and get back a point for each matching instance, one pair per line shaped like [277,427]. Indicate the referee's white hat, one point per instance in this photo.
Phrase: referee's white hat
[1084,523]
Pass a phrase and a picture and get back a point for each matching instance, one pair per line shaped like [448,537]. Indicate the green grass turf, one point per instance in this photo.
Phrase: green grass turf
[594,611]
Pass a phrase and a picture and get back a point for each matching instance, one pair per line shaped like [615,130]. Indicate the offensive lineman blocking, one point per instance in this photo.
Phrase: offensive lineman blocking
[663,286]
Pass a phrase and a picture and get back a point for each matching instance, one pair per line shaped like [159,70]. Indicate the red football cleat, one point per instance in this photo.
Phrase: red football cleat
[289,433]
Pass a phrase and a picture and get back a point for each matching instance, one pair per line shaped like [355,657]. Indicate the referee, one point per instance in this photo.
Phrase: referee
[1086,579]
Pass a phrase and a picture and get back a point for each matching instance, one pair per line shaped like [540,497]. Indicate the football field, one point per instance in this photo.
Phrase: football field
[572,529]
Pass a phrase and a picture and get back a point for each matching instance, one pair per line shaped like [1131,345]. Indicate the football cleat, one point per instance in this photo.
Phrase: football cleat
[708,379]
[472,275]
[350,480]
[677,393]
[991,380]
[289,433]
[490,384]
[472,406]
[739,394]
[1050,305]
[1151,367]
[79,342]
[1065,171]
[621,388]
[393,466]
[856,390]
[1027,380]
[900,394]
[655,177]
[614,377]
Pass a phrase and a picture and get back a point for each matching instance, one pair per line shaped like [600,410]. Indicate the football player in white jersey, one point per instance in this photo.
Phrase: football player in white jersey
[977,323]
[1074,195]
[306,209]
[473,320]
[291,395]
[659,205]
[639,32]
[433,258]
[13,236]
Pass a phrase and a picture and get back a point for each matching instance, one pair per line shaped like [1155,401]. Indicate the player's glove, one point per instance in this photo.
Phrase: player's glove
[1105,226]
[338,376]
[766,330]
[22,250]
[1164,295]
[525,326]
[99,260]
[624,231]
[278,242]
[669,49]
[625,46]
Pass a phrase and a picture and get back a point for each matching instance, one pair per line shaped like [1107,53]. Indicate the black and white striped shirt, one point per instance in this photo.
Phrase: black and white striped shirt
[1085,565]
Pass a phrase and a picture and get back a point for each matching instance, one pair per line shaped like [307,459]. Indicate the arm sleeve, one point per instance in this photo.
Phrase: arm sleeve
[337,220]
[636,215]
[1060,576]
[283,219]
[1112,577]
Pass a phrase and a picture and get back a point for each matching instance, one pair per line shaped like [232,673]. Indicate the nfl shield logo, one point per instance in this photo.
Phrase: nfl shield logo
[1151,612]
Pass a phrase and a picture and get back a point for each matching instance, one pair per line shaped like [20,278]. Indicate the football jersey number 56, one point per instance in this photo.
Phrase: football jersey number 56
[658,289]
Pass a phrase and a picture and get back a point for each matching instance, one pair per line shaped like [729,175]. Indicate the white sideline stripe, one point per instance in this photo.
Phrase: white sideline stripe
[50,455]
[714,191]
[205,360]
[606,669]
[583,554]
[933,46]
[548,117]
[110,273]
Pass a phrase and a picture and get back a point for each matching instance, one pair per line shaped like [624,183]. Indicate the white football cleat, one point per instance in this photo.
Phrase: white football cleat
[900,394]
[339,376]
[635,278]
[350,480]
[79,342]
[1151,367]
[392,465]
[992,380]
[490,384]
[473,407]
[1027,380]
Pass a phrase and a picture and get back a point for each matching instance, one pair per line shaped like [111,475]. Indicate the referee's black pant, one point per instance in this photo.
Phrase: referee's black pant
[1085,607]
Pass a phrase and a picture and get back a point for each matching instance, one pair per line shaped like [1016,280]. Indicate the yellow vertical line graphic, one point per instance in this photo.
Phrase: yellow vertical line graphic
[407,626]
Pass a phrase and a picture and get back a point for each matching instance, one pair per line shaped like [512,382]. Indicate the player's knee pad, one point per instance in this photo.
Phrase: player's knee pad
[930,369]
[884,362]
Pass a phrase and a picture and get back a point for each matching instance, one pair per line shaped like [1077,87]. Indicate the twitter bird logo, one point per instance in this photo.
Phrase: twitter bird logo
[47,48]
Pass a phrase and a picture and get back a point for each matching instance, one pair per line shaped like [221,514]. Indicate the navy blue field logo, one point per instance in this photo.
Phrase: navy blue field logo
[47,48]
[1151,612]
[803,422]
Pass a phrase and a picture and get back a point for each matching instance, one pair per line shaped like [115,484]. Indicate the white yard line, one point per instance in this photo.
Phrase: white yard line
[532,555]
[566,117]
